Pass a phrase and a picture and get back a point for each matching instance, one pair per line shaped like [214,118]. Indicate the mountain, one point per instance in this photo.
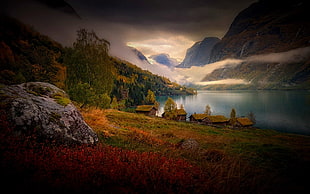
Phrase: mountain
[164,59]
[268,31]
[199,53]
[28,56]
[267,26]
[139,54]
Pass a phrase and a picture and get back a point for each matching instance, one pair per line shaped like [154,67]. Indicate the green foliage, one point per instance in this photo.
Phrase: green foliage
[170,109]
[86,95]
[90,79]
[150,98]
[62,100]
[101,101]
[138,82]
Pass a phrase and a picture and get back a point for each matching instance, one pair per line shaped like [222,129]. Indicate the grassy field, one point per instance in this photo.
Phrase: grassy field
[140,154]
[246,160]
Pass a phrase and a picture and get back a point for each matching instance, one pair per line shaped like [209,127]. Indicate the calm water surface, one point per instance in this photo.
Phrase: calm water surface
[286,111]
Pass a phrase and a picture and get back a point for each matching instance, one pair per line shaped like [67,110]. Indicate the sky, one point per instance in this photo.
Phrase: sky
[151,26]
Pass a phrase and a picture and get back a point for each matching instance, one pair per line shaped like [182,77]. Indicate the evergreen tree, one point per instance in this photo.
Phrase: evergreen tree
[170,109]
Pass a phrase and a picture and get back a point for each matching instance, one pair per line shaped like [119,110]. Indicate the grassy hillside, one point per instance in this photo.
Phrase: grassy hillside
[140,154]
[246,160]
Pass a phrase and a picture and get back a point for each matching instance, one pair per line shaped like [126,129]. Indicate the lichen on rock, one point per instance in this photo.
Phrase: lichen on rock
[44,109]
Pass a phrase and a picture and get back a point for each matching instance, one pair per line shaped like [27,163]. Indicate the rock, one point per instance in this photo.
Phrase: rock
[266,26]
[199,53]
[189,144]
[45,110]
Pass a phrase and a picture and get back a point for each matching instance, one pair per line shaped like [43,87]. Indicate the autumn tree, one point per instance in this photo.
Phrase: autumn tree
[233,118]
[170,109]
[208,110]
[88,63]
[150,98]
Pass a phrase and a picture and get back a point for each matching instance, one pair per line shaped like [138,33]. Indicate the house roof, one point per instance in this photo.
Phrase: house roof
[145,108]
[245,121]
[217,118]
[181,112]
[199,116]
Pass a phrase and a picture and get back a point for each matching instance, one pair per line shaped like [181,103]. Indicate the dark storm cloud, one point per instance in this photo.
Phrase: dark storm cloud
[195,17]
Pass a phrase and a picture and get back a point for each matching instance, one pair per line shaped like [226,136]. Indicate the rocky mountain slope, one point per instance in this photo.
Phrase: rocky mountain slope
[263,28]
[199,54]
[266,27]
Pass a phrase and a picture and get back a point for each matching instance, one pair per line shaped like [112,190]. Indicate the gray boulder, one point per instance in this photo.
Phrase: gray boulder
[188,144]
[45,110]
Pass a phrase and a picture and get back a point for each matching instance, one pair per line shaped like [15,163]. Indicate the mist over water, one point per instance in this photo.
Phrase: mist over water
[285,111]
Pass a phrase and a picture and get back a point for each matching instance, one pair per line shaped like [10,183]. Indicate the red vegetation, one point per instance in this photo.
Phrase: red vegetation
[32,166]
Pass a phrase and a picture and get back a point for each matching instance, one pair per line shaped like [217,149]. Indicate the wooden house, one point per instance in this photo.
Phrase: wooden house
[215,120]
[197,117]
[243,122]
[181,115]
[148,110]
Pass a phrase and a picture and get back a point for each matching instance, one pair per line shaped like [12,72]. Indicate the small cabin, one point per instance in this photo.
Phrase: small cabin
[215,120]
[197,117]
[181,115]
[243,122]
[148,110]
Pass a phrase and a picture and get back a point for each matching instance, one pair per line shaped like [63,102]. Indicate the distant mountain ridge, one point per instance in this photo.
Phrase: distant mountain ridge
[199,54]
[164,59]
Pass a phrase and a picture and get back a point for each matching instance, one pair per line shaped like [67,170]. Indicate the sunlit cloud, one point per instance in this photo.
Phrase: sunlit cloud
[175,46]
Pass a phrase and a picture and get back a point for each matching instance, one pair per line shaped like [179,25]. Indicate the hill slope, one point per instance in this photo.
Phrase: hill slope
[27,55]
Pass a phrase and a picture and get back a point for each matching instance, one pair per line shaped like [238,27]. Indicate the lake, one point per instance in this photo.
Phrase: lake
[286,111]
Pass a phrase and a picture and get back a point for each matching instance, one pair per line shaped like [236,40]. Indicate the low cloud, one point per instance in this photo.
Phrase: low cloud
[196,74]
[292,56]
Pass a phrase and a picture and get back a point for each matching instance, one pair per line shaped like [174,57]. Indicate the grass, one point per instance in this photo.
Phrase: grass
[61,99]
[140,154]
[255,159]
